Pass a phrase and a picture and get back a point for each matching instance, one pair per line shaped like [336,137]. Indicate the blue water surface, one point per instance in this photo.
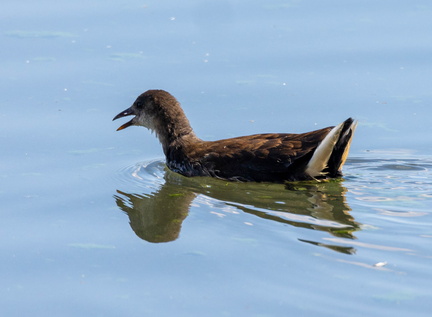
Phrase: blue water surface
[93,224]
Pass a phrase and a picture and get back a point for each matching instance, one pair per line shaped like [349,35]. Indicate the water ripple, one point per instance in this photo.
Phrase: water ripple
[394,191]
[146,174]
[158,200]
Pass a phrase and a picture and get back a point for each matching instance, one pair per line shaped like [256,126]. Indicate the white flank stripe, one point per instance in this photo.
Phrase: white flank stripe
[320,158]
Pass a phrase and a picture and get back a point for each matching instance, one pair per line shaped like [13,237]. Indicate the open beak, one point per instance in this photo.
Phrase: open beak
[127,112]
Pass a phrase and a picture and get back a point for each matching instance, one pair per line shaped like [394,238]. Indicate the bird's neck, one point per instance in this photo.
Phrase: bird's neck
[175,134]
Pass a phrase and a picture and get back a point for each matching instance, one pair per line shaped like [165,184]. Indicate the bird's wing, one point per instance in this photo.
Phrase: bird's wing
[261,156]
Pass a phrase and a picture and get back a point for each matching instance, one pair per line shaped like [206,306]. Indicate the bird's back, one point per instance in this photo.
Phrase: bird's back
[273,157]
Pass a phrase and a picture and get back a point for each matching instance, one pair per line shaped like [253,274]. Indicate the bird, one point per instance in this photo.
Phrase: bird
[269,157]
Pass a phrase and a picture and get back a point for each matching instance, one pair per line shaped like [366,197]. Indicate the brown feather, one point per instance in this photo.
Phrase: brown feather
[270,157]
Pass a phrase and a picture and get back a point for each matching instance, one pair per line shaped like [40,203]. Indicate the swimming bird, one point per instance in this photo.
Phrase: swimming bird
[269,157]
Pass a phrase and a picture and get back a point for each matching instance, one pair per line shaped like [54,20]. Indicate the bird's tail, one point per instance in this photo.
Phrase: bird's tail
[332,152]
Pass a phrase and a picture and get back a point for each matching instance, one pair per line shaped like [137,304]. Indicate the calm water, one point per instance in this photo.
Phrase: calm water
[94,225]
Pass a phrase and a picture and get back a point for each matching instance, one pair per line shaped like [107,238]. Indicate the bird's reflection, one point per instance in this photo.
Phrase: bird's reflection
[158,216]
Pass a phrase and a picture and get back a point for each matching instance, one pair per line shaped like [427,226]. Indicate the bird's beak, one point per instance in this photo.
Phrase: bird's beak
[127,112]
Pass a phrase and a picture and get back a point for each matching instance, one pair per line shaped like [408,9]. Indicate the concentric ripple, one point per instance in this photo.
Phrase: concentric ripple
[146,174]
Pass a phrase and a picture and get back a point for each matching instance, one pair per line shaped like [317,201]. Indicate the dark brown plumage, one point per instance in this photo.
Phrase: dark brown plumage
[271,157]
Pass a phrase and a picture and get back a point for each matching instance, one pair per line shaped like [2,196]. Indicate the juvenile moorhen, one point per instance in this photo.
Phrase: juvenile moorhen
[270,157]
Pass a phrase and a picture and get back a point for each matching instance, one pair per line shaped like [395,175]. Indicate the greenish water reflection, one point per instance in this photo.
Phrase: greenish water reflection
[158,216]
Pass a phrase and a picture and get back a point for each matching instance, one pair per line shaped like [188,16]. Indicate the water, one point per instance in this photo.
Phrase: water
[92,222]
